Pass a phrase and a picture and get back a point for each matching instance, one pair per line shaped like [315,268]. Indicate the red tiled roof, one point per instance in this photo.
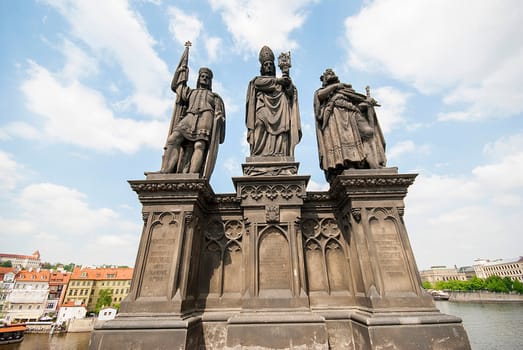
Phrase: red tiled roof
[4,270]
[59,278]
[35,256]
[33,276]
[118,273]
[72,304]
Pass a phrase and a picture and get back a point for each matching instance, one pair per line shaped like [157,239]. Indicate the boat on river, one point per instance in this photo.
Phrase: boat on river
[440,295]
[13,333]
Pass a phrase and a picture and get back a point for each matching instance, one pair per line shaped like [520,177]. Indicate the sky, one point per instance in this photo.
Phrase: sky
[85,105]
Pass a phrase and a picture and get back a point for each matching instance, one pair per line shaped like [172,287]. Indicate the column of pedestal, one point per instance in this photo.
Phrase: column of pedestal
[275,309]
[160,308]
[393,310]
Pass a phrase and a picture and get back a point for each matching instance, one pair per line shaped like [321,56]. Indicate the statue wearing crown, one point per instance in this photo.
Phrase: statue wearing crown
[272,115]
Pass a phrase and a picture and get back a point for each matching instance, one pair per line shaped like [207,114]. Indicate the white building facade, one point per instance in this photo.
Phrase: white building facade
[512,268]
[442,274]
[27,300]
[70,312]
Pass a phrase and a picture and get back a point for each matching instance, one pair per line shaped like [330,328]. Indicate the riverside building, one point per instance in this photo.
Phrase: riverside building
[512,268]
[85,285]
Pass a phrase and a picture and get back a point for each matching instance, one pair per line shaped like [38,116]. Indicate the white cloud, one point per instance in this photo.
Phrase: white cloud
[117,34]
[78,63]
[10,172]
[183,27]
[231,166]
[315,186]
[20,129]
[405,147]
[255,23]
[76,114]
[468,49]
[506,145]
[400,148]
[59,221]
[469,216]
[61,209]
[212,44]
[503,175]
[393,102]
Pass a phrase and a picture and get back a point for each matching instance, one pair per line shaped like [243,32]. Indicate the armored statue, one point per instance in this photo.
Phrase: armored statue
[197,125]
[272,114]
[347,129]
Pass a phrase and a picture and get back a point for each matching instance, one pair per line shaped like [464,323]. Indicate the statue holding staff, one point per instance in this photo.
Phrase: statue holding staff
[197,125]
[272,114]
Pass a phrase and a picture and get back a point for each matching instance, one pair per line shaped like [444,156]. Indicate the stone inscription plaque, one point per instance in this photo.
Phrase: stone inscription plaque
[274,261]
[390,255]
[159,257]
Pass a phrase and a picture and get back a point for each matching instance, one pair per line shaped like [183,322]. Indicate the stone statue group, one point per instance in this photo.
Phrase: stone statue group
[348,132]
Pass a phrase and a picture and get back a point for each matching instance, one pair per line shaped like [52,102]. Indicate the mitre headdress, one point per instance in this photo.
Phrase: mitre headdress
[266,54]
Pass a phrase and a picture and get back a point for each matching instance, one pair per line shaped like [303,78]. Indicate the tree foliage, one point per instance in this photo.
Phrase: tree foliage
[105,298]
[426,285]
[7,263]
[69,267]
[492,283]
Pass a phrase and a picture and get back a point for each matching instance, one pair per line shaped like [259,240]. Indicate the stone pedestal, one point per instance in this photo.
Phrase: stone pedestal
[273,266]
[159,311]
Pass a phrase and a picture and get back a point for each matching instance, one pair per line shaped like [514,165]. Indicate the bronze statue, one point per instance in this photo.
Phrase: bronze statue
[347,130]
[272,114]
[197,125]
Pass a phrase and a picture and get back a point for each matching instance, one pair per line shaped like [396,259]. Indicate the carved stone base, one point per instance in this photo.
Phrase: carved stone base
[273,266]
[270,166]
[272,330]
[423,331]
[148,333]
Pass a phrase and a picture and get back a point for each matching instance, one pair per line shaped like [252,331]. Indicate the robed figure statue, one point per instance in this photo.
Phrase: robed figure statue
[347,129]
[197,125]
[272,115]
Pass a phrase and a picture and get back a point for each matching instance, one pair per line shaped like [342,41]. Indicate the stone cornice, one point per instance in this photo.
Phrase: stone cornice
[163,186]
[403,180]
[172,189]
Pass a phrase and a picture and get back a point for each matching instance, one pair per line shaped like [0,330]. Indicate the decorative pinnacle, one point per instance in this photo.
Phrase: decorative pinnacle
[188,43]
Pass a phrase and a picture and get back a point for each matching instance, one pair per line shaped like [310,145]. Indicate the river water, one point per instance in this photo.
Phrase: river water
[489,327]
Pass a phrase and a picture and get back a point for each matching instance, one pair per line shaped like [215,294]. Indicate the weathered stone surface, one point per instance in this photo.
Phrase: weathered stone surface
[292,330]
[275,267]
[272,114]
[197,124]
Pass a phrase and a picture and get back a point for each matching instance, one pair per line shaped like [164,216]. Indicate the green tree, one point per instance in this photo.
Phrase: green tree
[7,263]
[48,266]
[105,298]
[517,286]
[69,267]
[495,284]
[451,285]
[507,281]
[476,283]
[426,285]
